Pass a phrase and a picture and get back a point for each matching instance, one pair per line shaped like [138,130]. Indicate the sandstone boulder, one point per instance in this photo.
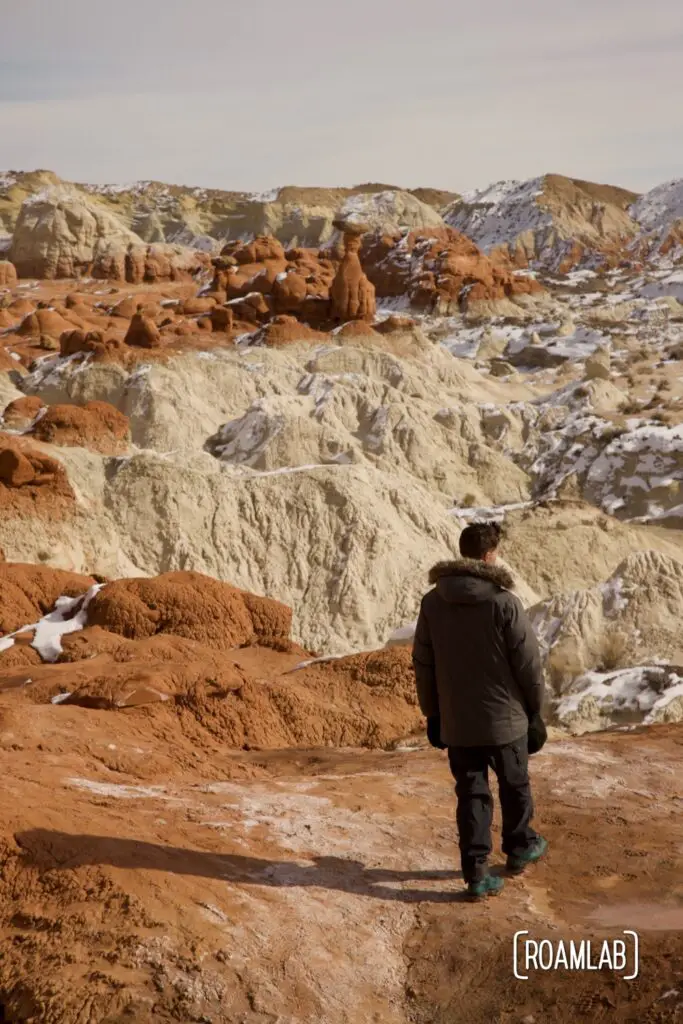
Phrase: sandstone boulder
[501,368]
[61,233]
[15,468]
[196,306]
[143,333]
[20,413]
[290,291]
[102,348]
[97,426]
[352,296]
[126,308]
[189,604]
[31,482]
[43,322]
[8,274]
[287,330]
[27,592]
[598,365]
[222,318]
[254,308]
[442,272]
[492,345]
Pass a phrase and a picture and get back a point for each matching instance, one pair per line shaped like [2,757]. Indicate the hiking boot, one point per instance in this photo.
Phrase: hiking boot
[518,861]
[490,885]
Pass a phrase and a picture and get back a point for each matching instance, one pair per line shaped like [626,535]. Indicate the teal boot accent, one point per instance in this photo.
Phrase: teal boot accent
[518,862]
[490,885]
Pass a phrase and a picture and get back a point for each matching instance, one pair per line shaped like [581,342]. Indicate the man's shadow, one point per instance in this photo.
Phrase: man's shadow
[47,850]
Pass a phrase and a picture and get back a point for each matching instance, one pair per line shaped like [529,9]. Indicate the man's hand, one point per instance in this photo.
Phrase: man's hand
[538,734]
[434,732]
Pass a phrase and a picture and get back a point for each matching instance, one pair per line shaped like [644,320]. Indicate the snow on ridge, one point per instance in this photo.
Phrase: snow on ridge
[7,179]
[269,196]
[508,190]
[500,213]
[660,207]
[356,209]
[48,194]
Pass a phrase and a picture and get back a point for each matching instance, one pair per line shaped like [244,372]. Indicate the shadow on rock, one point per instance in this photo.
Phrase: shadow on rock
[46,850]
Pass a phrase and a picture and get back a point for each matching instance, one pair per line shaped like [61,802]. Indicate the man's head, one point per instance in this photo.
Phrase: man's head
[481,541]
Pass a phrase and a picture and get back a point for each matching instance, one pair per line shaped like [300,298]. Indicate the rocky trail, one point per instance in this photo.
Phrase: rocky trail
[298,886]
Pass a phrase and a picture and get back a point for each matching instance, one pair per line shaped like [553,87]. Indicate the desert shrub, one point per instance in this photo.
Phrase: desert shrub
[613,650]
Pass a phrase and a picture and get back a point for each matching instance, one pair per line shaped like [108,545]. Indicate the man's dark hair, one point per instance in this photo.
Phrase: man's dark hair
[477,539]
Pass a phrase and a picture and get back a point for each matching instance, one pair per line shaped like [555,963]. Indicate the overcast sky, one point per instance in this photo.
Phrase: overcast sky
[447,93]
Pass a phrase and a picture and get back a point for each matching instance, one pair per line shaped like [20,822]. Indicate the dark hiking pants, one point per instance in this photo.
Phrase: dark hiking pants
[470,768]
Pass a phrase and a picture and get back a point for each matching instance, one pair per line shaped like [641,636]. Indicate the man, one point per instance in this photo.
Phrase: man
[480,684]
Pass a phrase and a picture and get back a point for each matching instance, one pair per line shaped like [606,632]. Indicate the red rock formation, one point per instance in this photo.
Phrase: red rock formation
[254,308]
[143,333]
[222,318]
[196,306]
[287,330]
[191,605]
[396,325]
[46,322]
[15,468]
[27,592]
[22,411]
[8,274]
[440,272]
[296,282]
[104,349]
[352,296]
[263,248]
[96,425]
[20,308]
[7,364]
[126,308]
[355,329]
[289,291]
[31,482]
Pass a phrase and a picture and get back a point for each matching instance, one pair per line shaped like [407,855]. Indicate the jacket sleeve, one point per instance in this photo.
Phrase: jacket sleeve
[423,663]
[524,655]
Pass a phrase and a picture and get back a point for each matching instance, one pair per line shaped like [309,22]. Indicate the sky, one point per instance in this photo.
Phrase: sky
[441,93]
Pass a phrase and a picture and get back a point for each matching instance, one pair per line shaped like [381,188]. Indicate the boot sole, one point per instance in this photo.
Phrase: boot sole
[472,898]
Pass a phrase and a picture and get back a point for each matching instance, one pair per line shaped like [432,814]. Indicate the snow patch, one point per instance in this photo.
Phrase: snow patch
[68,616]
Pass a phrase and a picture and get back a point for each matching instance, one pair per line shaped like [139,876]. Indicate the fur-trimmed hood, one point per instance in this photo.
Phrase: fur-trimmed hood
[468,581]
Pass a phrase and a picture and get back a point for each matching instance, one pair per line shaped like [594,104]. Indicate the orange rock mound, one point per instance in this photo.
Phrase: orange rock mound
[22,411]
[103,349]
[191,605]
[8,274]
[27,592]
[287,330]
[48,322]
[7,364]
[296,281]
[441,272]
[96,425]
[143,332]
[217,659]
[30,481]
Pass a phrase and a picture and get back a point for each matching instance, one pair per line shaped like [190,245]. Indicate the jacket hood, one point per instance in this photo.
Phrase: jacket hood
[469,581]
